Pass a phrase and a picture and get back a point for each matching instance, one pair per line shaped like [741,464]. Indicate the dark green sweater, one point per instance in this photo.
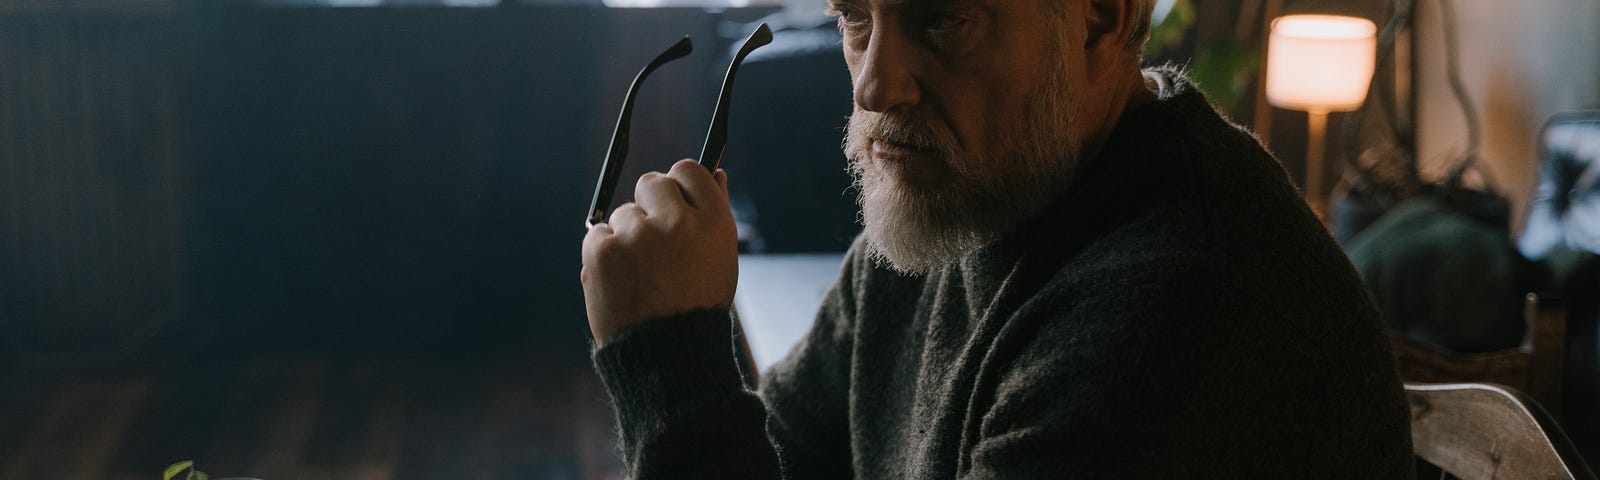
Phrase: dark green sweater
[1180,313]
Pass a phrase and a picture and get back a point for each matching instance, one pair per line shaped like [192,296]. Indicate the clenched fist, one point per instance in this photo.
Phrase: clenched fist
[673,250]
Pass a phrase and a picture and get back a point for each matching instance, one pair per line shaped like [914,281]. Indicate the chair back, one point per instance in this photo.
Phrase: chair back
[1561,231]
[1487,431]
[1535,367]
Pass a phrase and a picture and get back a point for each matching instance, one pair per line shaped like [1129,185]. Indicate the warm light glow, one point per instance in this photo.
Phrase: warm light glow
[1320,63]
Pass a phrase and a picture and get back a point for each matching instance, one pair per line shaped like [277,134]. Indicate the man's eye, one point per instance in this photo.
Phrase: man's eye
[845,14]
[944,23]
[853,23]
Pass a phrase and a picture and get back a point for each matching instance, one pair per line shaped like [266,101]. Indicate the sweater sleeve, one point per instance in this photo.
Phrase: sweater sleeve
[681,406]
[683,410]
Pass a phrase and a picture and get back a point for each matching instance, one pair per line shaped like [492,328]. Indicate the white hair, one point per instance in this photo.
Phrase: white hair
[1141,29]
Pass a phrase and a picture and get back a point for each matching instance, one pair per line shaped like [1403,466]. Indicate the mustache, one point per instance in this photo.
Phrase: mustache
[905,129]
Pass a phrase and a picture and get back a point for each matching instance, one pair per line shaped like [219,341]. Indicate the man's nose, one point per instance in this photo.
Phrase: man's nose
[886,80]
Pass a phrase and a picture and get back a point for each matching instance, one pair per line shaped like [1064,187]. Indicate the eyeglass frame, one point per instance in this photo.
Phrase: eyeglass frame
[716,135]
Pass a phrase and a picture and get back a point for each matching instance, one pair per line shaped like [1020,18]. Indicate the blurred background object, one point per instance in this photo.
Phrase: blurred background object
[264,234]
[1319,64]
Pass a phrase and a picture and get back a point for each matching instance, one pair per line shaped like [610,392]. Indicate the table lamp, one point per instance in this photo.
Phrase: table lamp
[1319,64]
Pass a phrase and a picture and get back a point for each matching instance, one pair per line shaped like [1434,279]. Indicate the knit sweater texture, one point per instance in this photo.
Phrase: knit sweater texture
[1179,313]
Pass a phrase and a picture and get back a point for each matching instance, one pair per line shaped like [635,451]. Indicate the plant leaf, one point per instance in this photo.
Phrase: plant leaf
[177,468]
[1223,69]
[1171,31]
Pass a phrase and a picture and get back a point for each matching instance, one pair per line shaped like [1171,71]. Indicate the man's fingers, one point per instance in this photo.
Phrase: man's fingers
[627,217]
[722,179]
[659,195]
[592,240]
[699,188]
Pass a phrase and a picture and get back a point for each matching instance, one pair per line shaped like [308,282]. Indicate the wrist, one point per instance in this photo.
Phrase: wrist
[609,329]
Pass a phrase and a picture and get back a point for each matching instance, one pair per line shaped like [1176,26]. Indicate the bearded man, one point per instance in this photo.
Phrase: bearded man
[1071,267]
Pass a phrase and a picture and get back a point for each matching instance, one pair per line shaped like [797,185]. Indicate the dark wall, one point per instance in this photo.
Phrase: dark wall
[786,169]
[95,190]
[228,176]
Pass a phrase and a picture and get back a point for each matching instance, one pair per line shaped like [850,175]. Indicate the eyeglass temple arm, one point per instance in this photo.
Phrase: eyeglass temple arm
[618,152]
[717,135]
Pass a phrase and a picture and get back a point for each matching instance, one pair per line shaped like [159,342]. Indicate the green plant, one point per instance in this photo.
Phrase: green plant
[1222,67]
[1224,70]
[177,468]
[1170,27]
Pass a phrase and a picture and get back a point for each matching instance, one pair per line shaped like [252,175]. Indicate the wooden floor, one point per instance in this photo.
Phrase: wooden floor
[308,416]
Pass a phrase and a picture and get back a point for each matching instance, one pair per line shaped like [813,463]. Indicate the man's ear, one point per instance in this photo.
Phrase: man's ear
[1110,25]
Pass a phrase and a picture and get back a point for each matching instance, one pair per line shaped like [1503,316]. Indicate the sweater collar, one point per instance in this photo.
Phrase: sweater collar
[1109,189]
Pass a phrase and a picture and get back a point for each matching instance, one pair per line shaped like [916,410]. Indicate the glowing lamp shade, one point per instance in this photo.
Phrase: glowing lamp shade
[1320,63]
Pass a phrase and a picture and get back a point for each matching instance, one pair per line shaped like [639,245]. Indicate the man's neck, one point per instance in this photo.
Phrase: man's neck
[1134,89]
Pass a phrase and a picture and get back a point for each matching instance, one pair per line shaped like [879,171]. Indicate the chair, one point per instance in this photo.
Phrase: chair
[1562,232]
[1535,367]
[1476,430]
[1557,362]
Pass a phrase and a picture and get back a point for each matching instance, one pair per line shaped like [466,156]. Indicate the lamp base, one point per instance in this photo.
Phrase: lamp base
[1316,147]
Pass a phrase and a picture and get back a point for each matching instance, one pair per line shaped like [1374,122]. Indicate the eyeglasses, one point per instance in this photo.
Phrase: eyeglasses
[716,136]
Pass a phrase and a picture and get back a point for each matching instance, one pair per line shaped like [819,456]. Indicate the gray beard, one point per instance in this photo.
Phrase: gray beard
[915,227]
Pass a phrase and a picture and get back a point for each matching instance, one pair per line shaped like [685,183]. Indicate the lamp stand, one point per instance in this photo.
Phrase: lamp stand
[1316,148]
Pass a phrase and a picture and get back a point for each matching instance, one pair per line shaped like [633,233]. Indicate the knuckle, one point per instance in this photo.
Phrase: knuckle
[651,182]
[593,246]
[652,178]
[591,239]
[687,167]
[624,212]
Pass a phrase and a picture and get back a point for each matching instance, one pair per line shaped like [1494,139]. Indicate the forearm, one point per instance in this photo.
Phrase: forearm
[683,410]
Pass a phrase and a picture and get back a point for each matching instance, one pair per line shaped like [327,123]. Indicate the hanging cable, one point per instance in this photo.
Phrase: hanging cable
[1453,71]
[1382,102]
